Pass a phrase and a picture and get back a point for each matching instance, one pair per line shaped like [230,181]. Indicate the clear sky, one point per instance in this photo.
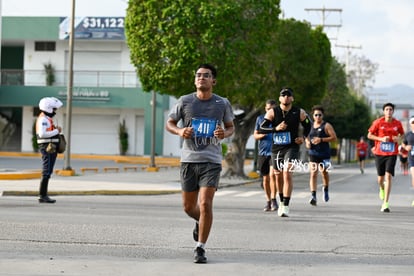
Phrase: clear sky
[382,29]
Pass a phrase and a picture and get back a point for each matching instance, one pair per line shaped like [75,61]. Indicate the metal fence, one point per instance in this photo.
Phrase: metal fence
[80,78]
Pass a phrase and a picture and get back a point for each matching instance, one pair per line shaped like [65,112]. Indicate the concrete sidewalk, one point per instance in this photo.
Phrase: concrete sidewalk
[166,179]
[111,183]
[104,180]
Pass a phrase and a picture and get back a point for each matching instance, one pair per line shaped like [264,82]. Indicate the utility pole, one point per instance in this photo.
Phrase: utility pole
[325,13]
[348,48]
[152,167]
[67,168]
[1,42]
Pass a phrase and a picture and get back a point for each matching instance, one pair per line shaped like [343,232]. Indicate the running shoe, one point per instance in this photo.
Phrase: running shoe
[280,210]
[385,208]
[199,256]
[381,194]
[283,211]
[267,207]
[313,201]
[274,206]
[46,199]
[325,194]
[195,232]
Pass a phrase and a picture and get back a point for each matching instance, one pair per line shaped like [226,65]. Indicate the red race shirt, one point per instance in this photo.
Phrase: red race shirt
[362,148]
[381,128]
[403,152]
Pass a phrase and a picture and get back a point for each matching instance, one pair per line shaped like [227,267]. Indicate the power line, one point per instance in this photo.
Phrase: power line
[348,47]
[325,13]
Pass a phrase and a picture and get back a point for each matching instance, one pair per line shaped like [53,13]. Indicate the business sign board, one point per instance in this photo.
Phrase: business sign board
[93,28]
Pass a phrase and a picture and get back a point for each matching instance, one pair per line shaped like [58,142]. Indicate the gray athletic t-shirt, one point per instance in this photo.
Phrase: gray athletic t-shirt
[203,116]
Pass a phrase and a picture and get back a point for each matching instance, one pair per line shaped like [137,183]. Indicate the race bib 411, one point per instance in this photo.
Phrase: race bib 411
[204,127]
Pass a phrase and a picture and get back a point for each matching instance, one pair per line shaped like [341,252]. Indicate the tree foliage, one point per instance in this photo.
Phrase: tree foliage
[169,39]
[301,59]
[256,54]
[338,100]
[361,73]
[349,114]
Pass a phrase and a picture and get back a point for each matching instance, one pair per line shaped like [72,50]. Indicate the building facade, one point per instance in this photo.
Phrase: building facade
[35,58]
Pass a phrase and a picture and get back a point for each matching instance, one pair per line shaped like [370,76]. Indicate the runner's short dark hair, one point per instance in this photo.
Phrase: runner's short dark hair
[210,67]
[388,104]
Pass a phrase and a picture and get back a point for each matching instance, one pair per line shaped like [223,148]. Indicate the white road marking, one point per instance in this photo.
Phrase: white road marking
[224,193]
[248,194]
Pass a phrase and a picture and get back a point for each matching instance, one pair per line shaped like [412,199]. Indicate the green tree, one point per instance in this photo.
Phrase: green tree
[338,101]
[243,38]
[168,39]
[349,114]
[123,138]
[50,74]
[302,59]
[361,73]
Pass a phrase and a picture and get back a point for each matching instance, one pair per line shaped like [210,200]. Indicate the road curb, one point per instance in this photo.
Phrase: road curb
[117,192]
[90,193]
[20,175]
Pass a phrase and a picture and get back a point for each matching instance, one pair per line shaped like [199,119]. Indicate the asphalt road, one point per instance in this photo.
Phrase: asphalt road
[150,235]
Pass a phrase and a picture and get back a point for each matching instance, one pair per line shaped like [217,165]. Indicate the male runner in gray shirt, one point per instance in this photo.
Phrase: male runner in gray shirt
[206,119]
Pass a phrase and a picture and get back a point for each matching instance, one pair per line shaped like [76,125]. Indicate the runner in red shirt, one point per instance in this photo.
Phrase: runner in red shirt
[386,132]
[362,148]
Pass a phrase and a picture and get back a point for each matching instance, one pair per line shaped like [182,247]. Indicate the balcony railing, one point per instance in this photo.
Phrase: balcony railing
[80,78]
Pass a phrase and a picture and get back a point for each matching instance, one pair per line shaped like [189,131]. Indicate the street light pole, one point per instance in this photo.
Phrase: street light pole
[1,41]
[69,91]
[152,167]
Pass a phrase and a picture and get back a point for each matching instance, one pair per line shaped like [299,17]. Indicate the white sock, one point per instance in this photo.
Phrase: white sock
[199,244]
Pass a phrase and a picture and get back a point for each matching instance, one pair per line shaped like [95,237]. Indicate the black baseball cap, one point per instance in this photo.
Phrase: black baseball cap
[286,92]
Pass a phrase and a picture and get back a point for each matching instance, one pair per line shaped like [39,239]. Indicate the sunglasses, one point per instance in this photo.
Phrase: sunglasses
[317,114]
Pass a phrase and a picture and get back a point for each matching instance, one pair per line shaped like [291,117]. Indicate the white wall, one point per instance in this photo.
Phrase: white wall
[94,131]
[172,143]
[93,56]
[139,136]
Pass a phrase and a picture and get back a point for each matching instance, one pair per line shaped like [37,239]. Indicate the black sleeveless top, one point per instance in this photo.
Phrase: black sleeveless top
[322,149]
[285,138]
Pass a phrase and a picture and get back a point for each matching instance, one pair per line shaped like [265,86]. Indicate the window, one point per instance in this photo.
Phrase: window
[45,46]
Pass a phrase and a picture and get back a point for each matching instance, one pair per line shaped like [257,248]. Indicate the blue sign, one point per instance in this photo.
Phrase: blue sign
[94,28]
